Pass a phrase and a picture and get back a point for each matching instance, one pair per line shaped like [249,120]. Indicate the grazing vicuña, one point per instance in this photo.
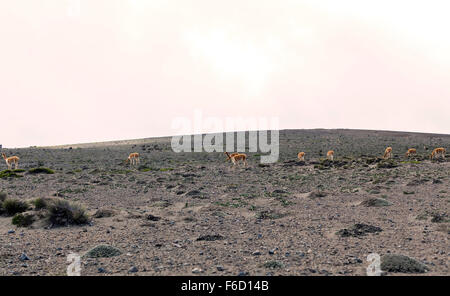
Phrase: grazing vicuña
[330,155]
[387,153]
[301,156]
[438,152]
[411,151]
[133,158]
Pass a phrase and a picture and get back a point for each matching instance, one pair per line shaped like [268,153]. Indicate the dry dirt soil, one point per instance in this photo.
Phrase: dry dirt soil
[192,213]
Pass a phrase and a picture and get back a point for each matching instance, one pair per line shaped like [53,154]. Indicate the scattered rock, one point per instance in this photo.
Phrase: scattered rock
[439,218]
[317,194]
[153,218]
[24,257]
[133,269]
[387,164]
[358,230]
[375,202]
[197,270]
[209,237]
[417,182]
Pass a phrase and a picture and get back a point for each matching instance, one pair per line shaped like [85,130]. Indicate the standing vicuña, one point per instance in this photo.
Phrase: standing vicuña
[236,157]
[11,160]
[133,158]
[438,152]
[387,153]
[411,151]
[330,155]
[301,156]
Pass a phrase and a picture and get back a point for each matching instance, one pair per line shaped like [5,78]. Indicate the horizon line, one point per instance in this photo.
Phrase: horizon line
[124,141]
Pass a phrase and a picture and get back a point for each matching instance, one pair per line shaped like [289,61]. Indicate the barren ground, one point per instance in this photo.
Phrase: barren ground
[258,214]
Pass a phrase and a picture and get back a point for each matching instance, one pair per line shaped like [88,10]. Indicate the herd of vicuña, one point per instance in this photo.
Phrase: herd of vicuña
[133,158]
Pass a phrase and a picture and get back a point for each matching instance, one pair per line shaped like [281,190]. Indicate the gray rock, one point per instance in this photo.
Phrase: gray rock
[220,268]
[24,257]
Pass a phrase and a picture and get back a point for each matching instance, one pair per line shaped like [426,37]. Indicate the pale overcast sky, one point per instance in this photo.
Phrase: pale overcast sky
[76,71]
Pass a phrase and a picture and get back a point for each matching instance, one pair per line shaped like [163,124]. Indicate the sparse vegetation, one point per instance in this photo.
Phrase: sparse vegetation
[3,196]
[375,202]
[61,212]
[268,214]
[40,203]
[22,220]
[13,206]
[272,264]
[401,263]
[10,174]
[273,215]
[40,170]
[103,251]
[104,213]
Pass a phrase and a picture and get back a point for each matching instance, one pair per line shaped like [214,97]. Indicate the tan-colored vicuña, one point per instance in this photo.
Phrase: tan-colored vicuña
[229,156]
[330,155]
[438,152]
[411,151]
[133,158]
[301,156]
[11,160]
[387,153]
[236,157]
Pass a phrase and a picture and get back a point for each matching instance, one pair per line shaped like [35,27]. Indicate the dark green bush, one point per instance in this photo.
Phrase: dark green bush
[41,170]
[10,174]
[14,206]
[103,251]
[40,203]
[61,212]
[22,220]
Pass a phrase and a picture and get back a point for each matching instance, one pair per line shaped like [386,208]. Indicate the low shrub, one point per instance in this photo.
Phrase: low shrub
[14,206]
[10,174]
[23,220]
[61,212]
[41,170]
[3,196]
[40,203]
[103,251]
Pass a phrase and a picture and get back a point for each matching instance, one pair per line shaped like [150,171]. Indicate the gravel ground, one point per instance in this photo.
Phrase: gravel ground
[191,213]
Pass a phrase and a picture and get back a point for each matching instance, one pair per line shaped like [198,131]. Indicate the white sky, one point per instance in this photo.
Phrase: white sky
[92,70]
